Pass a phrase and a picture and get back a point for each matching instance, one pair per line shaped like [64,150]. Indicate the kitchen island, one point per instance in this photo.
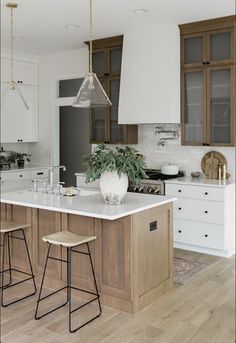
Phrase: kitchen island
[133,252]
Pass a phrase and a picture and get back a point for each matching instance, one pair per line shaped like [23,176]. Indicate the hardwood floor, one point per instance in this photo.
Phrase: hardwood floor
[201,311]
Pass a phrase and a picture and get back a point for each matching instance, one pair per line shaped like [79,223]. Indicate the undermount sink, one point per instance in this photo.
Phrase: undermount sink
[86,192]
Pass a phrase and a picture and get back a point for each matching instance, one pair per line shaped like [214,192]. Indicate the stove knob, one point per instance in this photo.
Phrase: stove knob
[150,190]
[140,189]
[157,190]
[134,189]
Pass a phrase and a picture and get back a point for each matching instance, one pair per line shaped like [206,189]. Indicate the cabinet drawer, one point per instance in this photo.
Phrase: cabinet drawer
[199,210]
[195,192]
[38,174]
[201,234]
[24,175]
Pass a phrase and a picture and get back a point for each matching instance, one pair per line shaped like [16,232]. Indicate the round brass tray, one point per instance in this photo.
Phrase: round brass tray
[210,164]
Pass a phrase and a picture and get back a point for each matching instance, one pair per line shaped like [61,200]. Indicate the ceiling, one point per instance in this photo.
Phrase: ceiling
[40,24]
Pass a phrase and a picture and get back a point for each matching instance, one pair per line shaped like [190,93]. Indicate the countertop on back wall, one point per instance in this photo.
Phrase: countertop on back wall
[201,181]
[28,167]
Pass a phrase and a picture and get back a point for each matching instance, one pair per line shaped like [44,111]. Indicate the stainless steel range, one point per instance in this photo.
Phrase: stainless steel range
[154,184]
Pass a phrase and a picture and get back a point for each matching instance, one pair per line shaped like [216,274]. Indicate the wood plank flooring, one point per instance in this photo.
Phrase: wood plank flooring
[201,311]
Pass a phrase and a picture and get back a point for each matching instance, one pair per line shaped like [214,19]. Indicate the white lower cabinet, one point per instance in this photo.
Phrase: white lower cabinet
[204,217]
[21,179]
[199,210]
[201,234]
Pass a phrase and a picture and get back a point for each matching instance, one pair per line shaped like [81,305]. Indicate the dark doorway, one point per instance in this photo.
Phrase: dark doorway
[74,142]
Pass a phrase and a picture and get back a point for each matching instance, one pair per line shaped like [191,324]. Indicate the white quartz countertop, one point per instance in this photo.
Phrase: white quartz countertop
[200,182]
[29,167]
[88,203]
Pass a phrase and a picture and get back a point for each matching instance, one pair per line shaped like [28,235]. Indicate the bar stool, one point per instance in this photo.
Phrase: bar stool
[8,228]
[69,240]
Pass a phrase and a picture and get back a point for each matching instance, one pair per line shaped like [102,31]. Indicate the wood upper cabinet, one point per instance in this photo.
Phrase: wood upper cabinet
[208,82]
[104,127]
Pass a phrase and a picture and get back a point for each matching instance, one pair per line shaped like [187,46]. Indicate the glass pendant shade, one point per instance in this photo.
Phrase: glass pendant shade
[91,94]
[12,90]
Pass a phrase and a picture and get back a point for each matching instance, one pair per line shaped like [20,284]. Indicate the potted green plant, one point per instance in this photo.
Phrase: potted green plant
[114,166]
[20,157]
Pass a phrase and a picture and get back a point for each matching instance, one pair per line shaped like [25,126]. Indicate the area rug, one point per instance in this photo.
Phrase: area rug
[184,270]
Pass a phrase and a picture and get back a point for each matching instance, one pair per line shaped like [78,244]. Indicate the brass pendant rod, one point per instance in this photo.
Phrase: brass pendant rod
[90,37]
[11,8]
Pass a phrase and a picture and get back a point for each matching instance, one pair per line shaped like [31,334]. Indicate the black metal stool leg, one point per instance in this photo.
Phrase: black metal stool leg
[41,286]
[36,316]
[94,279]
[9,259]
[3,266]
[31,275]
[9,269]
[69,285]
[30,264]
[97,296]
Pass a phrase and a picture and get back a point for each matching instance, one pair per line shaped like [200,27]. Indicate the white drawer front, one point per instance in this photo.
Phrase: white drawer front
[199,210]
[17,176]
[201,234]
[38,174]
[195,192]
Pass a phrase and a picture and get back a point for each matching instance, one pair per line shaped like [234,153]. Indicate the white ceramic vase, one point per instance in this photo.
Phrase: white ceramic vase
[113,187]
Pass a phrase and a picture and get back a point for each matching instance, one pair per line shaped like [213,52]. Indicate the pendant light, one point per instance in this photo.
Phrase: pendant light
[12,87]
[91,94]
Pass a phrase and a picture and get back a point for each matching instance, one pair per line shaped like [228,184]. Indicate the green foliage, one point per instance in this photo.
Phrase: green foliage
[19,156]
[122,159]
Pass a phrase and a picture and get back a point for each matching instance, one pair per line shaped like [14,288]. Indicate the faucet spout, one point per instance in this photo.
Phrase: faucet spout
[51,173]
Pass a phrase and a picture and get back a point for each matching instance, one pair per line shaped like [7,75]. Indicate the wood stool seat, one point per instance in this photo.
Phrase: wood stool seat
[67,239]
[8,226]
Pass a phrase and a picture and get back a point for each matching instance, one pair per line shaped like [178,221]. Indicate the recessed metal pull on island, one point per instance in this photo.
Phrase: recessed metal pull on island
[133,252]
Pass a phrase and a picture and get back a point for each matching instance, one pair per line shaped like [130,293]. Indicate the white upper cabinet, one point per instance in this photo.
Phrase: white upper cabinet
[17,123]
[24,72]
[150,76]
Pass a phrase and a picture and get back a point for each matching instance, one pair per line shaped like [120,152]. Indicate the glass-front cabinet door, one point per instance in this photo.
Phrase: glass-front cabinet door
[116,130]
[115,56]
[99,62]
[104,127]
[220,105]
[194,107]
[193,50]
[98,121]
[220,46]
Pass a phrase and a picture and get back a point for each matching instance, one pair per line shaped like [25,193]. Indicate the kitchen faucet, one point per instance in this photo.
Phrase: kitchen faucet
[51,173]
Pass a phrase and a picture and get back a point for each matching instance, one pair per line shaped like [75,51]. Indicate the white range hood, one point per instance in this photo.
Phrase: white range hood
[150,76]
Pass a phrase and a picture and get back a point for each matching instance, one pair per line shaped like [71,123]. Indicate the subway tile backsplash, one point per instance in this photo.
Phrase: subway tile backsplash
[187,157]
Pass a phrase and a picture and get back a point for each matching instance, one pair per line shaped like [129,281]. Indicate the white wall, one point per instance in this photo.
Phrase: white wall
[52,67]
[187,157]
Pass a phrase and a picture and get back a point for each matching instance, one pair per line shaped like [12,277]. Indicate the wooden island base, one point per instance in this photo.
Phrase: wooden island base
[133,256]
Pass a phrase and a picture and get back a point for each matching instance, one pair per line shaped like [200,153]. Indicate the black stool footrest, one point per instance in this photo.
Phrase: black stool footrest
[51,294]
[88,302]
